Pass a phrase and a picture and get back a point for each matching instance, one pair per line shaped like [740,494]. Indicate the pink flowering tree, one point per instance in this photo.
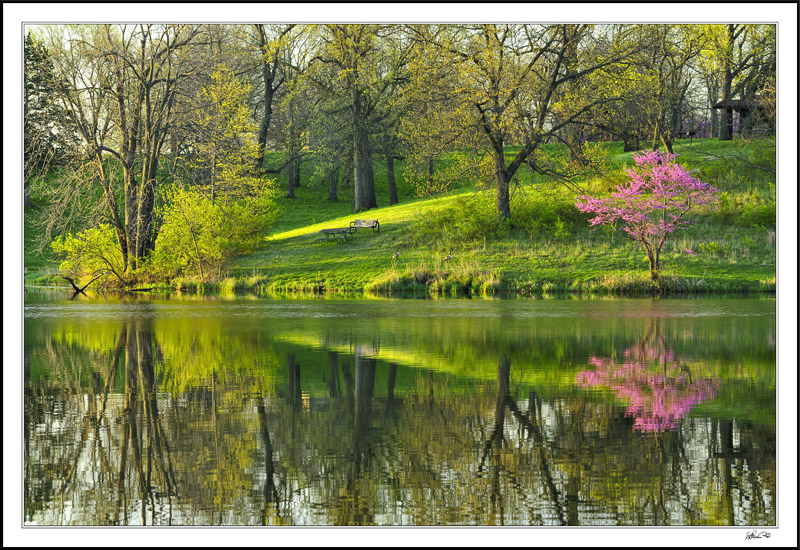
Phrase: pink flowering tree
[651,205]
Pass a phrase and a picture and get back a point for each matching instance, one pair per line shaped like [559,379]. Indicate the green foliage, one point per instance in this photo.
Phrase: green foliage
[199,236]
[90,253]
[224,156]
[749,209]
[48,132]
[546,246]
[712,247]
[546,212]
[473,219]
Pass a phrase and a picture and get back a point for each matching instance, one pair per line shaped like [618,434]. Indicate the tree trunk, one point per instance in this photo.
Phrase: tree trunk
[574,144]
[726,116]
[363,175]
[333,364]
[572,131]
[714,124]
[369,189]
[653,258]
[630,143]
[390,180]
[290,180]
[266,119]
[667,141]
[144,229]
[364,390]
[297,163]
[503,195]
[333,185]
[131,213]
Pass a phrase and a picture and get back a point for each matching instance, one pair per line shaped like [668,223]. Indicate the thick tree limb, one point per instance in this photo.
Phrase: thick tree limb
[77,289]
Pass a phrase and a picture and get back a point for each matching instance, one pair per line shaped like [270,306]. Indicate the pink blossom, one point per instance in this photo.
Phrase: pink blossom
[651,205]
[690,252]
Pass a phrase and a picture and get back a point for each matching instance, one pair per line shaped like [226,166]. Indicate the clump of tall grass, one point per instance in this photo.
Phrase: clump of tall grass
[472,220]
[465,277]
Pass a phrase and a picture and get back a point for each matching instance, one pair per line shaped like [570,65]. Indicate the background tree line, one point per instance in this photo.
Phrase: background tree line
[170,136]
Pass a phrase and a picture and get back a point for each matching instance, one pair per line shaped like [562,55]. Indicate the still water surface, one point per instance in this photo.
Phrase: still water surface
[250,411]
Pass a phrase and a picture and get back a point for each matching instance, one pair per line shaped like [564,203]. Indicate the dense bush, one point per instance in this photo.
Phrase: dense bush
[199,236]
[91,253]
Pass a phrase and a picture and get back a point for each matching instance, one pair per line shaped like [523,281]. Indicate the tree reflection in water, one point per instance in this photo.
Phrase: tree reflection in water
[124,453]
[155,425]
[659,389]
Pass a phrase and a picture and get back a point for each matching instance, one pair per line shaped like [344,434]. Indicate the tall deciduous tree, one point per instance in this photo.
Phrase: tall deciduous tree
[368,61]
[272,40]
[221,160]
[665,68]
[119,85]
[47,132]
[508,80]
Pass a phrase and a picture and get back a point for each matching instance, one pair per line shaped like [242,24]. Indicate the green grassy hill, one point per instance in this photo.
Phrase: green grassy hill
[547,247]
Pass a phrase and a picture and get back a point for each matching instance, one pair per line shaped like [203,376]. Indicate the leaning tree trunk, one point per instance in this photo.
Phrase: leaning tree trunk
[668,142]
[726,116]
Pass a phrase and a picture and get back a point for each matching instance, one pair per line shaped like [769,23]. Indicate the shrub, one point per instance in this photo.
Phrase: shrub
[199,236]
[92,253]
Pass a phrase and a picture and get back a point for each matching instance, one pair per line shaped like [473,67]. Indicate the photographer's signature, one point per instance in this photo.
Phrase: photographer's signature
[756,535]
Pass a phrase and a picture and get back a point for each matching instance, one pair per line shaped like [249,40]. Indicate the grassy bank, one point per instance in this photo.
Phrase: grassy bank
[548,246]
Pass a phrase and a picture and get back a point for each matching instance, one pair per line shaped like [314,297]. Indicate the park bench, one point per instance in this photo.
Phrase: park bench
[334,234]
[363,224]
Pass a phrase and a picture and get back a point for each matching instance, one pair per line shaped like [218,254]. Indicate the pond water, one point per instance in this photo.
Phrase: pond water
[252,411]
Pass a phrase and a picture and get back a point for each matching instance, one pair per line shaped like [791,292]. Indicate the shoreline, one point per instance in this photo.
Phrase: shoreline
[667,287]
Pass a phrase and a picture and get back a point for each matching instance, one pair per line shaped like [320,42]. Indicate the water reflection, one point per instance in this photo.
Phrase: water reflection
[660,389]
[159,421]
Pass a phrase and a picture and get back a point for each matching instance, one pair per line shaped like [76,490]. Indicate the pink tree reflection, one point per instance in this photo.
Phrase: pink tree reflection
[658,389]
